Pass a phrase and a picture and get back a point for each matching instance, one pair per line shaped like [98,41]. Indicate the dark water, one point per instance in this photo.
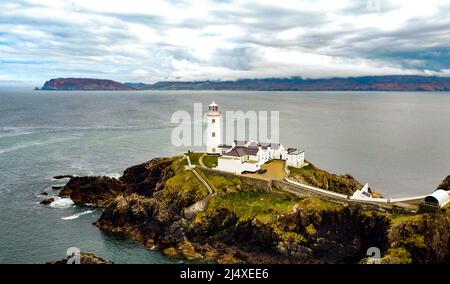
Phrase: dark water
[398,142]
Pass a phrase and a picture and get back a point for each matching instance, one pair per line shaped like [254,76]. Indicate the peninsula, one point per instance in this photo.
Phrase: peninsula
[188,210]
[83,84]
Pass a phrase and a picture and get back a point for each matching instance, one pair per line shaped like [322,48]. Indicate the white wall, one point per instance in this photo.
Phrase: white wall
[250,167]
[213,127]
[296,160]
[231,165]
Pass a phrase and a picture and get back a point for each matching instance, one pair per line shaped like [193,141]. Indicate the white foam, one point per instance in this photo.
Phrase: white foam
[37,143]
[75,216]
[114,175]
[62,203]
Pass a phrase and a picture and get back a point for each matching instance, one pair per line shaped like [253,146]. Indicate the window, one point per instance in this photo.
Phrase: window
[214,150]
[213,120]
[214,134]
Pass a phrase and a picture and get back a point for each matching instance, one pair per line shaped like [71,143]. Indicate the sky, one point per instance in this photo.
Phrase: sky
[150,41]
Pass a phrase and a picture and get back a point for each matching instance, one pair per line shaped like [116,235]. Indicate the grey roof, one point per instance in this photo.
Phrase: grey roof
[294,151]
[275,146]
[240,151]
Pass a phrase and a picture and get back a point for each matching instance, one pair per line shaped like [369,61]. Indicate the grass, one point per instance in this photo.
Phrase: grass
[183,187]
[226,184]
[250,204]
[194,157]
[314,176]
[319,205]
[210,161]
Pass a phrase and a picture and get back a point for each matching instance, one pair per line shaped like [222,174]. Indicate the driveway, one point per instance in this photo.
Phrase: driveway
[275,171]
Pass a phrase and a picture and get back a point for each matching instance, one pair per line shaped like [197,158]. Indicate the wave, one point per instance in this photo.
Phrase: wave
[38,143]
[114,175]
[11,130]
[76,216]
[15,134]
[62,203]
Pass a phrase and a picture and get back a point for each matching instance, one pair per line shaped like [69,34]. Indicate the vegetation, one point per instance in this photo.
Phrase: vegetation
[318,205]
[314,176]
[194,157]
[210,161]
[224,184]
[183,187]
[251,204]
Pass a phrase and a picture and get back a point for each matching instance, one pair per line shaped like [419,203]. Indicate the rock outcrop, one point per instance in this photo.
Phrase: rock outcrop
[47,200]
[445,184]
[98,191]
[85,258]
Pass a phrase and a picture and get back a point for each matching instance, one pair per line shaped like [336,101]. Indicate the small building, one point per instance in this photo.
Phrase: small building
[295,158]
[362,193]
[439,198]
[240,159]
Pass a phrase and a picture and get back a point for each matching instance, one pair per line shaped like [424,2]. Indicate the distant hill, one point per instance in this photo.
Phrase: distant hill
[84,84]
[368,83]
[138,86]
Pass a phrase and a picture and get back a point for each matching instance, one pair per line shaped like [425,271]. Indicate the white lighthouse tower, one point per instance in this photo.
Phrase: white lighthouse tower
[213,131]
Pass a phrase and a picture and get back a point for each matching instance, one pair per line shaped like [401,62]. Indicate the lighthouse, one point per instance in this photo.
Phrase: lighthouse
[213,131]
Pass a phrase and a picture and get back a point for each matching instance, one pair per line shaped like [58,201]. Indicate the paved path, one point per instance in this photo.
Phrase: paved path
[190,211]
[200,160]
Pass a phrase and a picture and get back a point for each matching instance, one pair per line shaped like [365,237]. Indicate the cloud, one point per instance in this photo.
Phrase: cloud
[146,41]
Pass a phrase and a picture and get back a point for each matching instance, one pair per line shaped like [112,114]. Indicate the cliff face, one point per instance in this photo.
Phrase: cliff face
[84,84]
[247,224]
[142,179]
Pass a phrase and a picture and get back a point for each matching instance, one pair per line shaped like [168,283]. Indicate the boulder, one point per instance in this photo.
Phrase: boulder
[47,200]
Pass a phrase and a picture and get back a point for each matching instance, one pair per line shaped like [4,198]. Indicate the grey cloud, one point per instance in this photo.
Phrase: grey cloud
[236,58]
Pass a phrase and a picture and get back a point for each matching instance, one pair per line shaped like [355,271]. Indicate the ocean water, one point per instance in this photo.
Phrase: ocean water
[398,142]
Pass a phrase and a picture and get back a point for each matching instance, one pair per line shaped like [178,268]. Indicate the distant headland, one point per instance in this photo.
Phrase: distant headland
[367,83]
[84,84]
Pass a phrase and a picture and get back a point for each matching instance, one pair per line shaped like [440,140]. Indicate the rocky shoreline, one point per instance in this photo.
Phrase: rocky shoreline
[245,223]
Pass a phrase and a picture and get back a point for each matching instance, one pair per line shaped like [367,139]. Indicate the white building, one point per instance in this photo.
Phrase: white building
[240,159]
[245,156]
[213,130]
[439,198]
[363,193]
[294,157]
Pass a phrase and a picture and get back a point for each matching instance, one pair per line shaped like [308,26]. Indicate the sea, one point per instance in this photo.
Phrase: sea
[398,142]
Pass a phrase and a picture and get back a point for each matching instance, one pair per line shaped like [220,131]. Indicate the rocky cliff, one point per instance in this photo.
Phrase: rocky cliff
[84,84]
[244,223]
